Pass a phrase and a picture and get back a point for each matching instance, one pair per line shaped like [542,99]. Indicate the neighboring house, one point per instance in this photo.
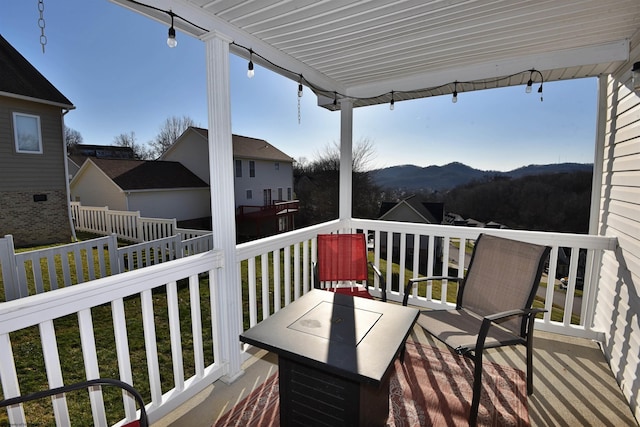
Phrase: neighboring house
[34,202]
[157,189]
[77,154]
[411,209]
[263,179]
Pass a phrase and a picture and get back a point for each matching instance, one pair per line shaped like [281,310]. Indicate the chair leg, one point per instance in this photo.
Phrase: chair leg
[477,389]
[530,362]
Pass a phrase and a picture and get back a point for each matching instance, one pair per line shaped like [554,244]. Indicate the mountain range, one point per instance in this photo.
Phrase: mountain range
[440,178]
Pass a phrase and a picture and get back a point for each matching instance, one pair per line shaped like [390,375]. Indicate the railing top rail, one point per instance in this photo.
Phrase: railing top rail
[539,237]
[267,244]
[69,246]
[32,310]
[158,220]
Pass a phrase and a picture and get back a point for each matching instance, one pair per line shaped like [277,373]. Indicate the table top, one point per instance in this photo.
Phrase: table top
[354,337]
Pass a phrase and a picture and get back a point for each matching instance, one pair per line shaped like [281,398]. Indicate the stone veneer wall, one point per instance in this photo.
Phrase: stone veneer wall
[33,222]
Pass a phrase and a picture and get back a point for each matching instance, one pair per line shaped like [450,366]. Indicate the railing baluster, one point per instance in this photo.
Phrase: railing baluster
[151,348]
[264,280]
[9,381]
[276,280]
[122,351]
[196,325]
[90,357]
[253,310]
[54,371]
[287,274]
[174,333]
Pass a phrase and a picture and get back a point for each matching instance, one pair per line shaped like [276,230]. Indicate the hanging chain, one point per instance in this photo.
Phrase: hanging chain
[299,115]
[42,24]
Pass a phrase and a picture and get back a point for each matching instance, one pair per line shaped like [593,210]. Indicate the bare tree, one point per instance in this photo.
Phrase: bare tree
[140,151]
[172,128]
[71,137]
[317,184]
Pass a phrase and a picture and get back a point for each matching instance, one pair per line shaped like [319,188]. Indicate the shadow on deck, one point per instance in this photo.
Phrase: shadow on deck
[573,385]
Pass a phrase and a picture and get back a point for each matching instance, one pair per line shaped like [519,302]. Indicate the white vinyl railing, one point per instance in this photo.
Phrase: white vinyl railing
[278,268]
[127,225]
[142,288]
[273,272]
[61,266]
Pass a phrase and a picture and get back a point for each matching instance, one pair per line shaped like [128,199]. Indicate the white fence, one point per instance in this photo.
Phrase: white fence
[274,271]
[127,225]
[62,266]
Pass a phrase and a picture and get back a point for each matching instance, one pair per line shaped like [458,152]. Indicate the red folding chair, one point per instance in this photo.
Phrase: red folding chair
[342,265]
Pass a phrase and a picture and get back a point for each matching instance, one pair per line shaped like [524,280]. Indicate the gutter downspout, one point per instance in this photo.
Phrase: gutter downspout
[66,179]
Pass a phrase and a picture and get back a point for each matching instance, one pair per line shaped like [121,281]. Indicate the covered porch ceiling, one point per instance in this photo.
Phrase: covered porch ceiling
[367,49]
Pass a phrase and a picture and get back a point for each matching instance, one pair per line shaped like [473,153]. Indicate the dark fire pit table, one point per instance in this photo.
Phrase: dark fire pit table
[335,357]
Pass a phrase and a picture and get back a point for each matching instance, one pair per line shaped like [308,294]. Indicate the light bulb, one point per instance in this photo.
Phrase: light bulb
[171,40]
[528,89]
[455,97]
[299,90]
[391,106]
[250,72]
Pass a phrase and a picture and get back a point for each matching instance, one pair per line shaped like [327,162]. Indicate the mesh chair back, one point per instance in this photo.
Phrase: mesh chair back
[342,257]
[503,274]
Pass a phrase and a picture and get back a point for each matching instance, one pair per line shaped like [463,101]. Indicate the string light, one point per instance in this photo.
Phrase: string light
[454,99]
[250,72]
[358,101]
[171,40]
[299,96]
[529,83]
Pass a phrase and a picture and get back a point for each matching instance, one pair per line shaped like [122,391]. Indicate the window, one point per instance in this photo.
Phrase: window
[267,197]
[26,129]
[289,193]
[279,193]
[277,165]
[249,194]
[238,168]
[252,169]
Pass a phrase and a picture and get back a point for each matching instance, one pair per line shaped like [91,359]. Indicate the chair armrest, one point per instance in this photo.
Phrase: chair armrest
[383,282]
[143,420]
[413,281]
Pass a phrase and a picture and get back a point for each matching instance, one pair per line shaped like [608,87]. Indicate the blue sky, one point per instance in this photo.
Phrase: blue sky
[115,66]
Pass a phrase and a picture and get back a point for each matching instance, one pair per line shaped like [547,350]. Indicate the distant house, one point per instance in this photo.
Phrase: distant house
[263,184]
[33,177]
[77,154]
[412,209]
[157,189]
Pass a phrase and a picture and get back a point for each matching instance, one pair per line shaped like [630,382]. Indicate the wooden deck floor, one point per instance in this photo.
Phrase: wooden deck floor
[573,385]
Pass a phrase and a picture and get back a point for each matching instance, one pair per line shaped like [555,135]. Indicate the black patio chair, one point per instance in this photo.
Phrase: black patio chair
[141,421]
[494,305]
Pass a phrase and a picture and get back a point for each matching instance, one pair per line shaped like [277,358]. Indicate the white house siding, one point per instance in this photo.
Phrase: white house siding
[180,204]
[96,189]
[267,176]
[618,300]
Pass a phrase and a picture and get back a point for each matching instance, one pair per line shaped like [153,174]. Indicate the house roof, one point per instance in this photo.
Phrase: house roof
[366,49]
[432,212]
[148,174]
[250,148]
[20,79]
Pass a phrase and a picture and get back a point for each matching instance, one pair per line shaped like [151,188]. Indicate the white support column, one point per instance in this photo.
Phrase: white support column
[229,302]
[346,157]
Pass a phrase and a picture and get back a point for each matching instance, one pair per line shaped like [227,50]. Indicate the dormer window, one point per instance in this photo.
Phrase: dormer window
[26,132]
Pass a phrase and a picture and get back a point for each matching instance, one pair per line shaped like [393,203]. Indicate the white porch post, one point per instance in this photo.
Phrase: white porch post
[346,157]
[228,300]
